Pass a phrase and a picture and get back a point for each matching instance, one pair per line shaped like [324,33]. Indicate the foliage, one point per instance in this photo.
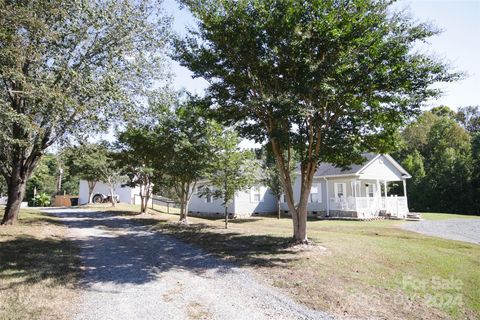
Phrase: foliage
[193,150]
[3,185]
[441,157]
[41,200]
[469,118]
[233,169]
[326,79]
[142,162]
[86,160]
[70,68]
[171,148]
[46,174]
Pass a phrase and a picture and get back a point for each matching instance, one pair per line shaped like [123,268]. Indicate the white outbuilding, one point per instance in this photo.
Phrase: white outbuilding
[124,194]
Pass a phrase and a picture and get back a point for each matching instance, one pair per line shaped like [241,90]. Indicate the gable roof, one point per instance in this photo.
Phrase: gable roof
[327,169]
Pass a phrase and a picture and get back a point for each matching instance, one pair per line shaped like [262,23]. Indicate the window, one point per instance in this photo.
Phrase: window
[209,196]
[371,190]
[255,194]
[283,198]
[340,190]
[315,193]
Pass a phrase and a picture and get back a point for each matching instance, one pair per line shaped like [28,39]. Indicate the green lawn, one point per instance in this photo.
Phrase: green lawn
[358,269]
[38,269]
[446,216]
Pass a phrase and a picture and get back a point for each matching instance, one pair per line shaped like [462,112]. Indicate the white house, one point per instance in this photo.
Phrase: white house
[255,201]
[360,192]
[125,194]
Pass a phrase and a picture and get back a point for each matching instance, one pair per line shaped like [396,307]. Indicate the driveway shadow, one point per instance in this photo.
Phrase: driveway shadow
[119,250]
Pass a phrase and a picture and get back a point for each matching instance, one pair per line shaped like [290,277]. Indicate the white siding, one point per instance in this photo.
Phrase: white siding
[125,194]
[199,204]
[244,202]
[311,206]
[381,169]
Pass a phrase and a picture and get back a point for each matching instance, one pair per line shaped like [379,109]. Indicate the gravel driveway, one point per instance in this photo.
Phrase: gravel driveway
[455,229]
[131,272]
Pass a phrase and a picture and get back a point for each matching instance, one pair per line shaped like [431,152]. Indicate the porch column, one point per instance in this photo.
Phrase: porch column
[379,190]
[405,193]
[328,197]
[386,189]
[354,193]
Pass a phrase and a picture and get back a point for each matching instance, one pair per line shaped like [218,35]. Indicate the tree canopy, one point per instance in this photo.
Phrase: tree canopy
[326,79]
[232,169]
[68,68]
[442,157]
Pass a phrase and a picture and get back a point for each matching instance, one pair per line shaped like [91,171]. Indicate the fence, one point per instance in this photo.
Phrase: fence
[166,204]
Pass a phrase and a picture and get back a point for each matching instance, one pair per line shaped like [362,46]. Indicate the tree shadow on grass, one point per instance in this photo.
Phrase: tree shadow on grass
[28,260]
[119,250]
[244,249]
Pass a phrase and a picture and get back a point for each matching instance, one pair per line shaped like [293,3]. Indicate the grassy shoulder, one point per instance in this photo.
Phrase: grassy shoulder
[355,269]
[446,216]
[38,269]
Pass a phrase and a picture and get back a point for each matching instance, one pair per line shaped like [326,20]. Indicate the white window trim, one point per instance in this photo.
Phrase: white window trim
[344,188]
[371,187]
[257,190]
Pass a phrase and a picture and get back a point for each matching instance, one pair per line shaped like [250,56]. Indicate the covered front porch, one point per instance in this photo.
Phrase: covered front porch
[366,199]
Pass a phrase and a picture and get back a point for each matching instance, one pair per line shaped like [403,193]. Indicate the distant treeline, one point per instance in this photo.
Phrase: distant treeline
[441,150]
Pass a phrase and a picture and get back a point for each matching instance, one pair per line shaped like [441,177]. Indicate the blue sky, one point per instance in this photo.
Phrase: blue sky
[459,44]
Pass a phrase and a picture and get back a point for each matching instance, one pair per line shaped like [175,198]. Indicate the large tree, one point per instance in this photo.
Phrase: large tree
[192,152]
[326,78]
[439,154]
[143,163]
[69,67]
[173,144]
[469,117]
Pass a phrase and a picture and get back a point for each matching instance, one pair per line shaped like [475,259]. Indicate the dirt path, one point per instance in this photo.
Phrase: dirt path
[455,229]
[131,272]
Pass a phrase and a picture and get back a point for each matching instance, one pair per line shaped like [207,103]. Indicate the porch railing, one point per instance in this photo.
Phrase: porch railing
[371,206]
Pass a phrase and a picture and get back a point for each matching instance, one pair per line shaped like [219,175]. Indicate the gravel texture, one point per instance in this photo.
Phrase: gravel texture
[455,229]
[131,272]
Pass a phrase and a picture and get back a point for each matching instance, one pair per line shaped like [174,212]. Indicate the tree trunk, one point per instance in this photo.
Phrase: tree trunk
[183,198]
[112,198]
[142,204]
[278,209]
[301,225]
[226,217]
[299,213]
[16,192]
[91,186]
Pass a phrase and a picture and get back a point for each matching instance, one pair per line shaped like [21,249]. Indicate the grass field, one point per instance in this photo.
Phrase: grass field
[354,269]
[446,216]
[38,269]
